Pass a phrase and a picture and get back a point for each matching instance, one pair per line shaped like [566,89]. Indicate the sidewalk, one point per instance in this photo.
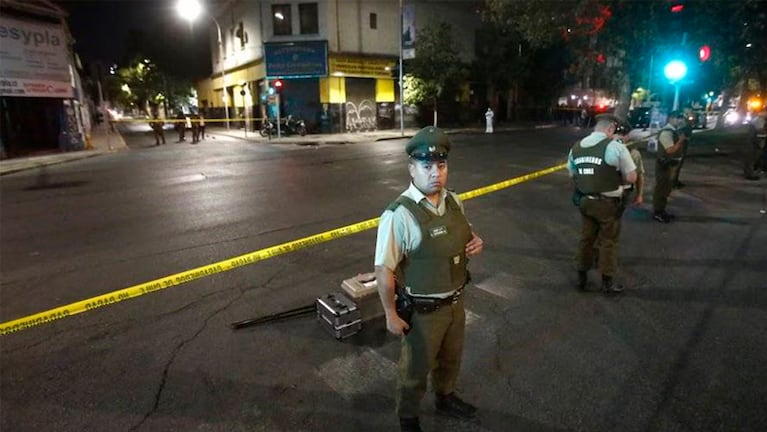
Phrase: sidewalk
[357,137]
[101,143]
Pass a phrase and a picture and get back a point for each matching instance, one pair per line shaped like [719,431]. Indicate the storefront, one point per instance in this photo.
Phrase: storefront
[39,112]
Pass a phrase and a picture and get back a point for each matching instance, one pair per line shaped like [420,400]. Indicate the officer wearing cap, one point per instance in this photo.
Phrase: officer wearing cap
[754,160]
[600,165]
[670,147]
[422,247]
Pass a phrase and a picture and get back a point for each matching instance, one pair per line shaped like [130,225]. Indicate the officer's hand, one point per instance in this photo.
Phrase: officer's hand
[396,325]
[637,201]
[474,246]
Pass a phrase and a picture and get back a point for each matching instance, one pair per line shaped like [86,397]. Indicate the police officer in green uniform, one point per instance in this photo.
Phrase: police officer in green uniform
[423,243]
[600,166]
[670,147]
[754,159]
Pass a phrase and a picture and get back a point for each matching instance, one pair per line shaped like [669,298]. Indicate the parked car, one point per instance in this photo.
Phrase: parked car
[696,119]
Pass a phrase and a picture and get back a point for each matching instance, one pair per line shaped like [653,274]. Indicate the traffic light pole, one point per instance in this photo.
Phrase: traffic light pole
[277,97]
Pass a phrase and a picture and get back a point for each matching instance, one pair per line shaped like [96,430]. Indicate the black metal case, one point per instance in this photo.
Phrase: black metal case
[339,315]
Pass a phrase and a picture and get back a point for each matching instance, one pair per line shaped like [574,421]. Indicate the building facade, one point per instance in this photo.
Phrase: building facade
[335,61]
[41,107]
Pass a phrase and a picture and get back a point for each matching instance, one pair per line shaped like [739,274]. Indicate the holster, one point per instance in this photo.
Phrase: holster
[577,197]
[405,306]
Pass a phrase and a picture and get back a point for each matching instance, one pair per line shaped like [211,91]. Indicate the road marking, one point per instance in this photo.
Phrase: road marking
[499,285]
[357,373]
[230,264]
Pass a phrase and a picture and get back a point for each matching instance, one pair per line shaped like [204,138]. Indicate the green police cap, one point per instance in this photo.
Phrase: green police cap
[428,144]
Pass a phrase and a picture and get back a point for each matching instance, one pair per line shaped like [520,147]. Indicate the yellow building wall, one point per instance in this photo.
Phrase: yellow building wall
[385,90]
[333,90]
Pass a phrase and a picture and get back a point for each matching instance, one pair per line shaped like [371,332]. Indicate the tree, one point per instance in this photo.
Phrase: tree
[622,43]
[436,68]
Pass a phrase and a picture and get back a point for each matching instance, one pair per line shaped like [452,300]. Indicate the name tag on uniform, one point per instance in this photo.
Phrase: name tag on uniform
[438,231]
[457,259]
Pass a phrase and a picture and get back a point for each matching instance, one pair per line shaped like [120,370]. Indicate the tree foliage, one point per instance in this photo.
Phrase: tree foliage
[436,69]
[622,44]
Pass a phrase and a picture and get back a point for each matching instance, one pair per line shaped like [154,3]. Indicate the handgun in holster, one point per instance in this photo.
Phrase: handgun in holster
[405,306]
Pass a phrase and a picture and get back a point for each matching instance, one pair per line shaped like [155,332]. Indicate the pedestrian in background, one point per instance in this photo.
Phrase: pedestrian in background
[423,244]
[670,143]
[158,130]
[181,126]
[600,165]
[201,122]
[194,121]
[489,120]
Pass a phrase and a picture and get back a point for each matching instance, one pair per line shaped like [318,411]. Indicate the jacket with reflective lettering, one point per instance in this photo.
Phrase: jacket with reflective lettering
[592,175]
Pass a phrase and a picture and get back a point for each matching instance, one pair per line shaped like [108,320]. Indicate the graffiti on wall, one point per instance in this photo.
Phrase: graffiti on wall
[361,117]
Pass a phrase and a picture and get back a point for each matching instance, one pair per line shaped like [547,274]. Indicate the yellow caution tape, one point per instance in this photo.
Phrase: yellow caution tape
[229,264]
[183,120]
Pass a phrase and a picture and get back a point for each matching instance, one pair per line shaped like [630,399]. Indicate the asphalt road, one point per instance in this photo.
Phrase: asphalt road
[681,350]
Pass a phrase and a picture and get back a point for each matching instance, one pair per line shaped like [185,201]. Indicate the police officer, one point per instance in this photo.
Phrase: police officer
[157,126]
[670,147]
[423,243]
[685,128]
[754,154]
[600,165]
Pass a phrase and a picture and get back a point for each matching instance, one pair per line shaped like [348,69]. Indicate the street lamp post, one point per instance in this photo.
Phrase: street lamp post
[189,10]
[675,71]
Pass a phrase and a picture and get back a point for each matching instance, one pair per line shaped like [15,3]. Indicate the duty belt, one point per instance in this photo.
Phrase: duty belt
[433,304]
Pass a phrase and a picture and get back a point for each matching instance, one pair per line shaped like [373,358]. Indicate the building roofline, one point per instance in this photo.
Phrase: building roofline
[36,7]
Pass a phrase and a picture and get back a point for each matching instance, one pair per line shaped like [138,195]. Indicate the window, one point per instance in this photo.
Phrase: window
[307,12]
[373,21]
[281,20]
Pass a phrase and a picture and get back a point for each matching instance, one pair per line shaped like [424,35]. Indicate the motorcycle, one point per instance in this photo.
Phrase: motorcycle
[288,126]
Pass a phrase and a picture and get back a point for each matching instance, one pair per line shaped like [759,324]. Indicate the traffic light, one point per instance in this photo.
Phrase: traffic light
[704,53]
[99,117]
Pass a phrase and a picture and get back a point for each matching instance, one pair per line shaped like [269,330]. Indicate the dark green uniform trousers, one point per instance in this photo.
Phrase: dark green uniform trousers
[664,176]
[601,229]
[434,344]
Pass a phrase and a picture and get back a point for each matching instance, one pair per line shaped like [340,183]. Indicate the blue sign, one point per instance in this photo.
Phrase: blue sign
[296,59]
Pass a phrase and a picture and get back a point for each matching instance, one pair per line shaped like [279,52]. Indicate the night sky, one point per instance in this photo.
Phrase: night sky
[102,30]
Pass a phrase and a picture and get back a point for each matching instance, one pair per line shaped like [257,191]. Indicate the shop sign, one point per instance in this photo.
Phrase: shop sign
[361,67]
[296,59]
[34,60]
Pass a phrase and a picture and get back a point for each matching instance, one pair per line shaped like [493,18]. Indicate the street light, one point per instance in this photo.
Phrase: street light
[190,10]
[675,71]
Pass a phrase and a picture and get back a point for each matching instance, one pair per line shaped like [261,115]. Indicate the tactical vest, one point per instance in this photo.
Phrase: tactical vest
[662,154]
[592,173]
[438,265]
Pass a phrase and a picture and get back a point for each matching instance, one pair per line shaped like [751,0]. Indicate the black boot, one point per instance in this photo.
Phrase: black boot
[410,424]
[609,286]
[451,405]
[582,279]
